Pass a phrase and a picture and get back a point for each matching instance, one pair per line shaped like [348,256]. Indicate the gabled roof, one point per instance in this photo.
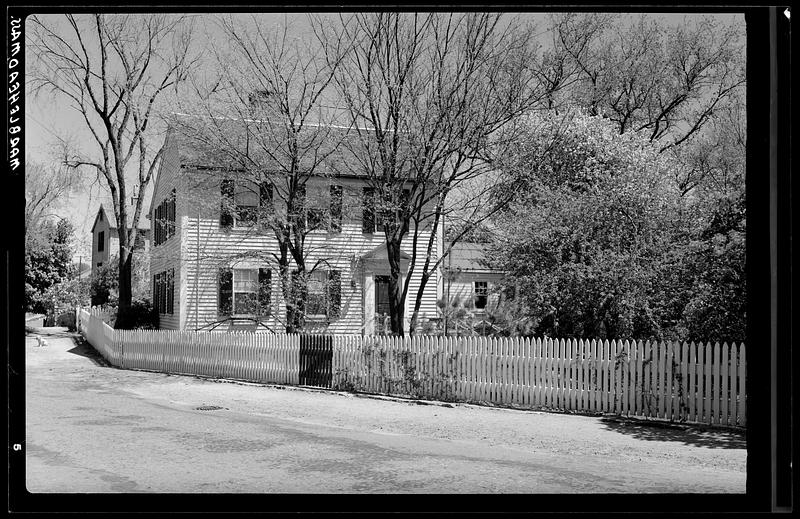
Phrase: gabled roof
[380,253]
[190,134]
[143,225]
[468,257]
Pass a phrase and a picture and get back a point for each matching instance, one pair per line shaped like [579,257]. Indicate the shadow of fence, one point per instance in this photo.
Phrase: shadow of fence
[697,436]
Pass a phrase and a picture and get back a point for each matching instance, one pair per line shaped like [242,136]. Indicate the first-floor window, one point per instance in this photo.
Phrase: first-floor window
[316,303]
[164,292]
[322,293]
[481,294]
[244,291]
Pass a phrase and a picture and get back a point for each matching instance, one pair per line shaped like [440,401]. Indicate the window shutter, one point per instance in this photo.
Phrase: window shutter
[226,214]
[172,213]
[225,304]
[162,289]
[300,206]
[171,291]
[368,217]
[264,290]
[404,201]
[336,208]
[265,195]
[157,296]
[265,202]
[155,293]
[158,225]
[334,293]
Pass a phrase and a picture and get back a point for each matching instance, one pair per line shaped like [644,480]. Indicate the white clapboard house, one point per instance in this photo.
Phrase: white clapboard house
[211,269]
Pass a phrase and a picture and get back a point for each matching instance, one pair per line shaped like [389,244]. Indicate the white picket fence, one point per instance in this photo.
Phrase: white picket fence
[244,356]
[678,382]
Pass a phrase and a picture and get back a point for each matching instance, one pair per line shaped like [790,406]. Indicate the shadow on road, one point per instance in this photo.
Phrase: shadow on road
[688,435]
[84,349]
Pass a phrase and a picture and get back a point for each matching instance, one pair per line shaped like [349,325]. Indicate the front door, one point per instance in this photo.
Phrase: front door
[382,305]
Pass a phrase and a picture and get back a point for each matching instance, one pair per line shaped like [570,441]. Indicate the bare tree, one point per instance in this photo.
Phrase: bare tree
[425,93]
[261,117]
[113,69]
[648,76]
[46,187]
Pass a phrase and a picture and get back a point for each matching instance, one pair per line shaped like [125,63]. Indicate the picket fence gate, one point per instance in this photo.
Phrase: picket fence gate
[667,380]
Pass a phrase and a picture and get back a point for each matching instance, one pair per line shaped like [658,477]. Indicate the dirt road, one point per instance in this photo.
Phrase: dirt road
[94,428]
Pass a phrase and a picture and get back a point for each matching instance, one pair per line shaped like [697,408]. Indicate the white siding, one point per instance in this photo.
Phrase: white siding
[168,254]
[463,285]
[216,248]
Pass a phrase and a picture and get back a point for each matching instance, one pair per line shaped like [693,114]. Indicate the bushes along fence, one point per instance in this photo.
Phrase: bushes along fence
[672,381]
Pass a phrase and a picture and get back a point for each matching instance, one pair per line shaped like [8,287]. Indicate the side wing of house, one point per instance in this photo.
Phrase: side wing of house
[166,270]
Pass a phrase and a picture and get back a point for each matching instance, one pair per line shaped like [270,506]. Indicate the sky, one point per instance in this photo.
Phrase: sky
[49,119]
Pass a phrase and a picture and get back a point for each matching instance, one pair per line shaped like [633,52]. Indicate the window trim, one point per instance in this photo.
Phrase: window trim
[237,223]
[482,293]
[264,311]
[323,275]
[234,313]
[164,292]
[164,217]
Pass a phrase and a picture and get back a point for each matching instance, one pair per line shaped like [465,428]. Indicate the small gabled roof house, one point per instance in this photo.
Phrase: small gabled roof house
[211,268]
[468,277]
[105,238]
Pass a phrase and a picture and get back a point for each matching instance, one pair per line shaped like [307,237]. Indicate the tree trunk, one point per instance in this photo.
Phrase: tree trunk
[418,302]
[124,320]
[395,293]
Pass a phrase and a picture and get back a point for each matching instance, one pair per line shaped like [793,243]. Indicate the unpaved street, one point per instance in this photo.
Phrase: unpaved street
[93,428]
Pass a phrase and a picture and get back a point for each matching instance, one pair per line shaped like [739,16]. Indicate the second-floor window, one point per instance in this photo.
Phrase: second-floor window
[244,203]
[165,219]
[101,241]
[377,213]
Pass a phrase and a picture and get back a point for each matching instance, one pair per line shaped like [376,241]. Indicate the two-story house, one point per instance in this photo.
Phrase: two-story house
[210,266]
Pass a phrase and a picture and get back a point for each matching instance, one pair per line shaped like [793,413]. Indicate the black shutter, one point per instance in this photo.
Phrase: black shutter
[225,291]
[162,289]
[336,208]
[171,292]
[264,290]
[334,293]
[158,225]
[226,206]
[162,223]
[155,293]
[265,196]
[157,298]
[368,218]
[300,206]
[172,214]
[265,202]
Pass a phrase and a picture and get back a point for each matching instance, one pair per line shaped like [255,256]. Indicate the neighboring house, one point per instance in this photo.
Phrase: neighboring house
[466,277]
[210,269]
[105,239]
